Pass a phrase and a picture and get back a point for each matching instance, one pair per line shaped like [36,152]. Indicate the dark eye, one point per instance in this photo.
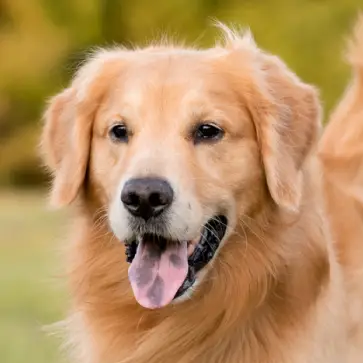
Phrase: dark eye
[119,133]
[207,132]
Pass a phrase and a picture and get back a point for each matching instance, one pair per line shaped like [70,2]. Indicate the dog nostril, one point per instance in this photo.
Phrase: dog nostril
[156,200]
[133,199]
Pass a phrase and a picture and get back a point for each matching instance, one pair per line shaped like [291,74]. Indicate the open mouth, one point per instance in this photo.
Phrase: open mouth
[162,270]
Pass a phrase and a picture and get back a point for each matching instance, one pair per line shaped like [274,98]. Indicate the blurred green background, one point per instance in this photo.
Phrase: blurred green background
[41,44]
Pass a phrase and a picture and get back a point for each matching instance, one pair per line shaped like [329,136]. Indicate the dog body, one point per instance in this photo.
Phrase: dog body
[227,131]
[341,154]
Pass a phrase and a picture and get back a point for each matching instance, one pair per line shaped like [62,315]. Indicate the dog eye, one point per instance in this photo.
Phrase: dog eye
[119,133]
[207,132]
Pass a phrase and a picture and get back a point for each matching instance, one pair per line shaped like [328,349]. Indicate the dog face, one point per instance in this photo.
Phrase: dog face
[180,145]
[178,129]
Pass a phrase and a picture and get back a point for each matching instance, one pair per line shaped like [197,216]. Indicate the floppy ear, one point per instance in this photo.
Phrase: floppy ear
[69,118]
[65,145]
[287,118]
[286,113]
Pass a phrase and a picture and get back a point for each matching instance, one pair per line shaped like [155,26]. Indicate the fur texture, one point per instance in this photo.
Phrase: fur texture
[275,292]
[341,153]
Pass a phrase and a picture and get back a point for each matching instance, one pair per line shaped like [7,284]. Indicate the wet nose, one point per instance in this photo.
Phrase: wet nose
[146,197]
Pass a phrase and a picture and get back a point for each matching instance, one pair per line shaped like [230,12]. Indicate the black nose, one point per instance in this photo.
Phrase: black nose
[146,197]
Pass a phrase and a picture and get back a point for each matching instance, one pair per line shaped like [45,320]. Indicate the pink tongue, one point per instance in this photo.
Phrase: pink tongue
[155,275]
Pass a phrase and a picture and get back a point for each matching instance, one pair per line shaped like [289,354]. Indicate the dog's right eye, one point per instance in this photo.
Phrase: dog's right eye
[119,133]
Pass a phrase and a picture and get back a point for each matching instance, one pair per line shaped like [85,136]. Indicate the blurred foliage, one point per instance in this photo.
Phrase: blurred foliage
[42,41]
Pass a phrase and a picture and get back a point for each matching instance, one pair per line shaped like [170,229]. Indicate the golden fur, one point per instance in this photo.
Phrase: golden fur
[275,292]
[341,154]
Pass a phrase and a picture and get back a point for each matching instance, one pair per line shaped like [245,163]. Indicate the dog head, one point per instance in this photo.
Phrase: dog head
[179,145]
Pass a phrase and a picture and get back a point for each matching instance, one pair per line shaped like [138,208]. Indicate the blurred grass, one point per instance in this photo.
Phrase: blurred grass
[31,295]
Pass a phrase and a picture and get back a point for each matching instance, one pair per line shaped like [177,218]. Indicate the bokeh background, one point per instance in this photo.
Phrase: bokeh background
[41,44]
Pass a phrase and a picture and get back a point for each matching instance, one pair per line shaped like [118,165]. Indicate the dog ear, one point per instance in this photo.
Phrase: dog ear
[286,113]
[65,145]
[67,131]
[287,118]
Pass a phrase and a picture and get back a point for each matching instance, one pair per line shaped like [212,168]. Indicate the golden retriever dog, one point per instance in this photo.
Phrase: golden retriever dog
[200,228]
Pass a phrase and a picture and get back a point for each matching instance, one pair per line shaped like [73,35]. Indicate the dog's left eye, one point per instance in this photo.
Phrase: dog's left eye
[207,132]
